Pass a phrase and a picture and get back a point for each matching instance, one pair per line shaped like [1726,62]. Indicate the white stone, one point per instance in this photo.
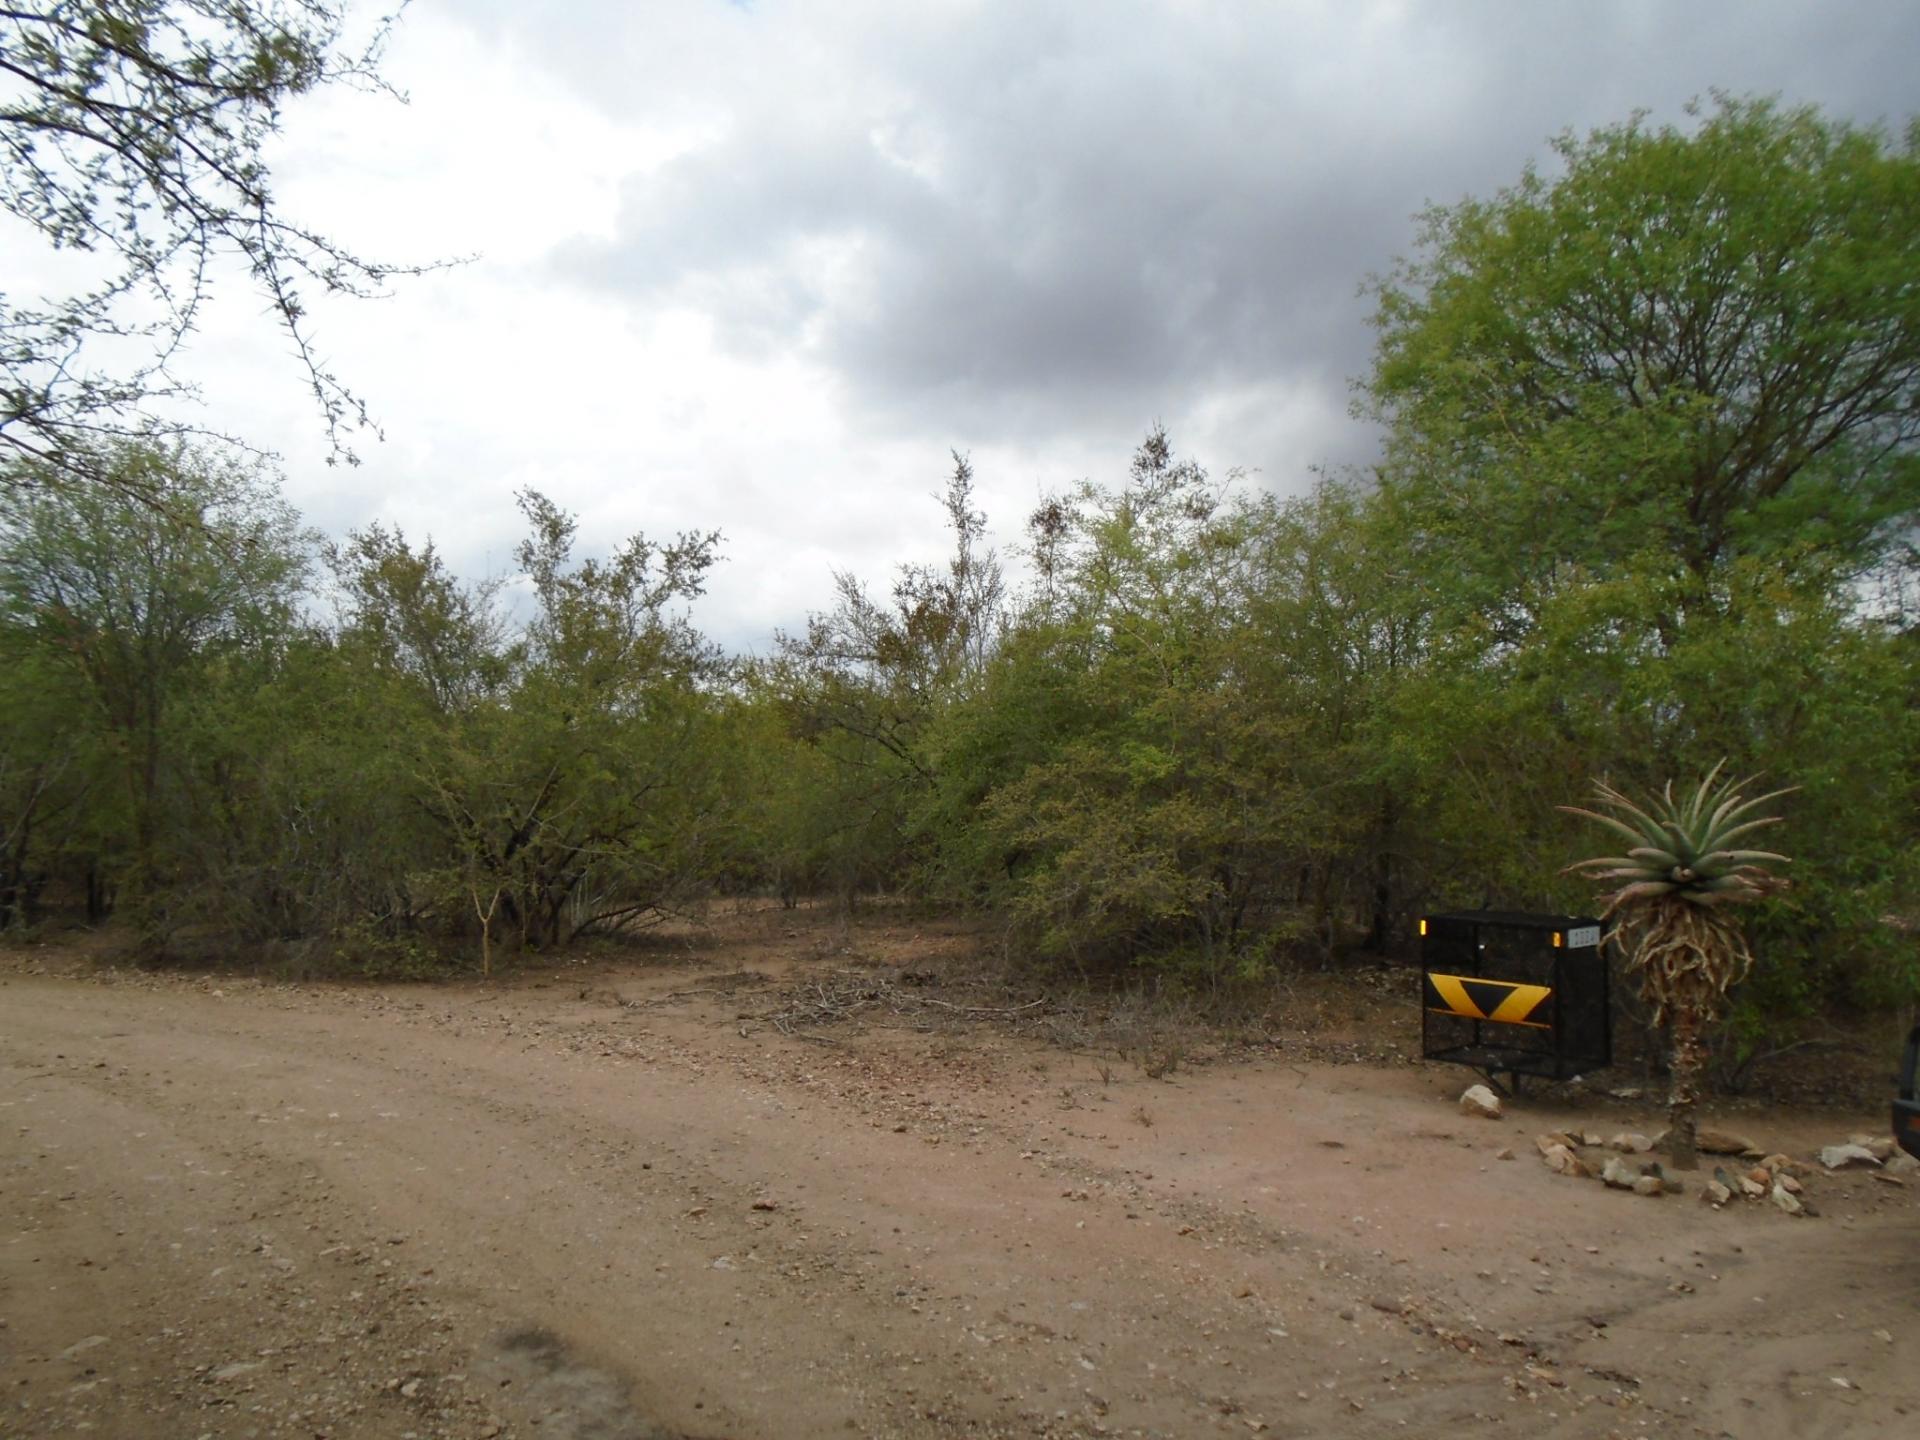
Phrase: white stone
[1620,1174]
[1563,1161]
[1479,1100]
[1838,1157]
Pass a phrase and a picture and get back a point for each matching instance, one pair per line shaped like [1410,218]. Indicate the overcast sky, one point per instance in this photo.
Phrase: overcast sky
[760,266]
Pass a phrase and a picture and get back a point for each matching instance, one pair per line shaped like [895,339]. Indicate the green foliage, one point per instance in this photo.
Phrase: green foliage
[1682,846]
[138,134]
[1651,461]
[50,769]
[570,773]
[868,684]
[1140,784]
[239,772]
[139,604]
[1649,494]
[1686,351]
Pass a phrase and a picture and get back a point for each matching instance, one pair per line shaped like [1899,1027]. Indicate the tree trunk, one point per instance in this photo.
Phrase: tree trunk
[146,821]
[1380,936]
[486,927]
[1381,939]
[1687,1062]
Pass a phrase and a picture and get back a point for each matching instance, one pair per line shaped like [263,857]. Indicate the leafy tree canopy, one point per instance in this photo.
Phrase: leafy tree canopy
[1689,345]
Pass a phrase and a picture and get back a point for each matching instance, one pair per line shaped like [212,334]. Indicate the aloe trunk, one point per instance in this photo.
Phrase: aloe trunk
[1687,1062]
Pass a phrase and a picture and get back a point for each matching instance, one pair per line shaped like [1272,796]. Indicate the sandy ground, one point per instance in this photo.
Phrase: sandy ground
[617,1201]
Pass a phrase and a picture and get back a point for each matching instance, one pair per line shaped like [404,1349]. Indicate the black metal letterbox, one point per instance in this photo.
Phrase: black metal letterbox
[1523,994]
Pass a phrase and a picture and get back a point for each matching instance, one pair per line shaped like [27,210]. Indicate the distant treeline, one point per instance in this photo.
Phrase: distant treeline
[1649,498]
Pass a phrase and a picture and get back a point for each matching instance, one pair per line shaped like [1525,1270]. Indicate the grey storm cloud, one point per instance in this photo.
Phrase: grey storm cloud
[1022,218]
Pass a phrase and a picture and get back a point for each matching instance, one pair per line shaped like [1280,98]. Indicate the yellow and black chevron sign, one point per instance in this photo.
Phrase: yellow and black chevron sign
[1506,1001]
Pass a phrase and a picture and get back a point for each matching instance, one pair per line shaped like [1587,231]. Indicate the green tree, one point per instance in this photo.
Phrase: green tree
[421,659]
[868,684]
[1685,347]
[446,641]
[1651,460]
[136,133]
[584,794]
[48,768]
[135,590]
[1338,632]
[305,824]
[1145,784]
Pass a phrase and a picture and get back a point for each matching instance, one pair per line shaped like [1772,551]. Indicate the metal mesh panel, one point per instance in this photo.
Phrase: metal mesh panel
[1507,992]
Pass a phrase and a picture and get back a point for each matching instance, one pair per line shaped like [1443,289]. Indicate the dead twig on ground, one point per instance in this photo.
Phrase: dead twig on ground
[985,1009]
[672,995]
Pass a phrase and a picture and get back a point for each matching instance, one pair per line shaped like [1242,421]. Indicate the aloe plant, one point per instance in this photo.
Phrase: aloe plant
[1669,897]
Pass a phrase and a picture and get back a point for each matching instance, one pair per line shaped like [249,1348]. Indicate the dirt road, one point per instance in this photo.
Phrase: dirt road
[601,1205]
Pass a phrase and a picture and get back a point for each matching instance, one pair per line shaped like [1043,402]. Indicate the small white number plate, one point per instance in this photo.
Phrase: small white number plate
[1584,936]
